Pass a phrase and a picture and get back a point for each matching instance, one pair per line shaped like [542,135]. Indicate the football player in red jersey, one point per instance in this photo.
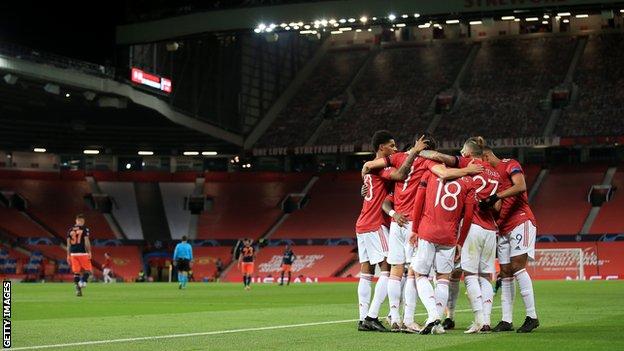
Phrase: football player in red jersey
[478,247]
[372,236]
[79,253]
[400,250]
[516,242]
[440,205]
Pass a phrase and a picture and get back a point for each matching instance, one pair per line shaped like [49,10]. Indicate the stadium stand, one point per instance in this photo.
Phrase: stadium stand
[561,205]
[56,202]
[395,91]
[16,223]
[531,171]
[125,208]
[298,121]
[334,202]
[127,260]
[312,261]
[601,102]
[205,258]
[245,204]
[609,218]
[505,85]
[173,197]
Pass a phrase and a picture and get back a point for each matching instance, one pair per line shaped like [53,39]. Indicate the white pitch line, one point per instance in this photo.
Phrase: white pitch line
[172,336]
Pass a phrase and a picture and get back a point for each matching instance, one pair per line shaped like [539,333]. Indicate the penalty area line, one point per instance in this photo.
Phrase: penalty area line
[186,335]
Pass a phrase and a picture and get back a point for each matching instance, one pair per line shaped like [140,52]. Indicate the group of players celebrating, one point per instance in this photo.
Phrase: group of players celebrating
[440,216]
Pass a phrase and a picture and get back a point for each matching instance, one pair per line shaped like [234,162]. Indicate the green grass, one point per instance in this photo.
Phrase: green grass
[573,316]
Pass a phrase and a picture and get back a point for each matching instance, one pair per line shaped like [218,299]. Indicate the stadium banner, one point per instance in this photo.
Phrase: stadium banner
[507,142]
[602,261]
[366,148]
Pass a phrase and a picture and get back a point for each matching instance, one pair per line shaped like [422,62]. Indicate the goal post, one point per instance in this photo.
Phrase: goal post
[564,264]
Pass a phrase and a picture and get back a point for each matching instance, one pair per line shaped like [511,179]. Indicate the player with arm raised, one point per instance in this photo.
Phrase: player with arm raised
[400,252]
[79,253]
[516,242]
[372,237]
[478,246]
[439,207]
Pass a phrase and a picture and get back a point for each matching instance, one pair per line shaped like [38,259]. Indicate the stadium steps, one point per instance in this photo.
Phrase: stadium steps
[194,220]
[355,261]
[263,125]
[110,218]
[174,198]
[125,208]
[437,118]
[568,81]
[152,212]
[595,210]
[327,123]
[538,182]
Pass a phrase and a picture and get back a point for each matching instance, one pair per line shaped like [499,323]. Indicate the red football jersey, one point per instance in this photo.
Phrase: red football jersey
[387,219]
[405,191]
[487,183]
[371,217]
[515,209]
[444,206]
[107,263]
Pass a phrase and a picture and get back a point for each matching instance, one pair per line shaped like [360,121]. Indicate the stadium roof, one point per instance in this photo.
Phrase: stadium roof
[251,17]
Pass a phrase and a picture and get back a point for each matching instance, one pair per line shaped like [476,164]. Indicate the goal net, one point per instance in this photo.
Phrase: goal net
[565,264]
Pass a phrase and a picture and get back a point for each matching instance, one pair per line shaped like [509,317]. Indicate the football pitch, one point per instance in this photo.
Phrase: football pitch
[574,315]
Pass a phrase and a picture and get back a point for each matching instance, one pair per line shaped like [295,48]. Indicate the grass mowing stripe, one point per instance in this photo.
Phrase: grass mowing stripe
[171,336]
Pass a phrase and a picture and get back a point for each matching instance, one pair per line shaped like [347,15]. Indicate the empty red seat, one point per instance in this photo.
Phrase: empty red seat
[331,212]
[245,204]
[610,218]
[561,205]
[56,202]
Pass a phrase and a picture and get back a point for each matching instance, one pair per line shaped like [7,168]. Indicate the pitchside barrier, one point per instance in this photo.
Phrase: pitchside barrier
[553,261]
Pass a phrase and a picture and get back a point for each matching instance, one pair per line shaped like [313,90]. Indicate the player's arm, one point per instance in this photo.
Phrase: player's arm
[372,165]
[88,245]
[402,172]
[437,156]
[446,173]
[388,208]
[518,187]
[468,215]
[68,249]
[419,204]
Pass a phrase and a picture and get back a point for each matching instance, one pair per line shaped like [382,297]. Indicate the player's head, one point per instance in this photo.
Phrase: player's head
[80,219]
[473,147]
[432,143]
[383,142]
[287,246]
[106,255]
[247,242]
[184,238]
[489,156]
